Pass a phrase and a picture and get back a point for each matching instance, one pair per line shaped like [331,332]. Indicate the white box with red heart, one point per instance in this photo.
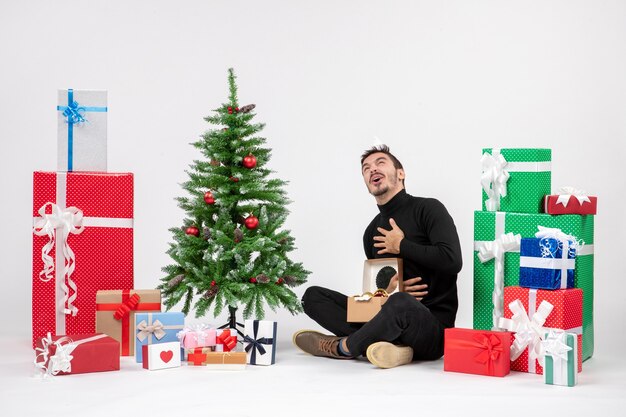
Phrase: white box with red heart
[161,356]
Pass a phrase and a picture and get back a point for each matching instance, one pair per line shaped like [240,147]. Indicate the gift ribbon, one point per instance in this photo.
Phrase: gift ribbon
[496,249]
[495,175]
[64,266]
[66,220]
[227,340]
[566,193]
[255,343]
[74,114]
[528,328]
[489,349]
[197,356]
[558,355]
[122,313]
[61,360]
[145,330]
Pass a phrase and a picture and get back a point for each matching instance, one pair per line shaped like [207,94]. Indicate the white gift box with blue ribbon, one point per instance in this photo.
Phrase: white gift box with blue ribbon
[548,260]
[82,130]
[260,342]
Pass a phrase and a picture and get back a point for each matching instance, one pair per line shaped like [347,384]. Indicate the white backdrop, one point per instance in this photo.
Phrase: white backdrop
[435,80]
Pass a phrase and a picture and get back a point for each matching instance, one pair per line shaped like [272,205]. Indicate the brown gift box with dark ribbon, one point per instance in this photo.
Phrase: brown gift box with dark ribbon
[115,314]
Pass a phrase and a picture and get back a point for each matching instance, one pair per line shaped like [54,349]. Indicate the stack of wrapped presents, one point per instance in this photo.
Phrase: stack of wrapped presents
[86,313]
[533,274]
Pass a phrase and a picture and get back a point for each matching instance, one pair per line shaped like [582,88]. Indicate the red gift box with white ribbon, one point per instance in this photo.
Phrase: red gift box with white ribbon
[530,313]
[570,200]
[82,243]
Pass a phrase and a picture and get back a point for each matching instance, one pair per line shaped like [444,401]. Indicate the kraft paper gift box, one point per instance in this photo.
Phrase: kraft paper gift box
[153,328]
[479,352]
[377,274]
[560,362]
[491,276]
[547,263]
[515,180]
[82,130]
[226,340]
[77,354]
[570,201]
[161,356]
[115,314]
[225,361]
[82,243]
[530,313]
[362,308]
[260,342]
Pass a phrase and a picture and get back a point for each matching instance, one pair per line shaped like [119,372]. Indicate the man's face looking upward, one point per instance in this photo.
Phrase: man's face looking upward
[380,175]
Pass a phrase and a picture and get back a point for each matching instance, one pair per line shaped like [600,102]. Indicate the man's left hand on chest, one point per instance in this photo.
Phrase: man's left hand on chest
[390,240]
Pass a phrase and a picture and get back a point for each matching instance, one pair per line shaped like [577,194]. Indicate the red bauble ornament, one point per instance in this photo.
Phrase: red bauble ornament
[236,109]
[249,161]
[251,222]
[230,110]
[192,230]
[234,179]
[213,283]
[280,281]
[208,198]
[253,280]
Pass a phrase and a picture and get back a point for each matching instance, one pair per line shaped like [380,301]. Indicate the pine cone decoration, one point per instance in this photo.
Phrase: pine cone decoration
[210,292]
[283,241]
[290,280]
[247,108]
[215,162]
[206,233]
[238,235]
[175,281]
[262,278]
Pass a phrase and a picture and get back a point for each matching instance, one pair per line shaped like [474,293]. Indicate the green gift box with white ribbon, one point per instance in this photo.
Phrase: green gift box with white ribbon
[515,180]
[561,351]
[495,241]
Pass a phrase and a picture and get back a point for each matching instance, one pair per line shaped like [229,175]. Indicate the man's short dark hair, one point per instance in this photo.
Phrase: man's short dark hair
[385,150]
[382,149]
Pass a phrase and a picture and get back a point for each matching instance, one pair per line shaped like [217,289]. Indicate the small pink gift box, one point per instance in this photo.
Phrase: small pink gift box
[197,336]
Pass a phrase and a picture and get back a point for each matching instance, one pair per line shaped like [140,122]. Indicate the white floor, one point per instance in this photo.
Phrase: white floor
[301,385]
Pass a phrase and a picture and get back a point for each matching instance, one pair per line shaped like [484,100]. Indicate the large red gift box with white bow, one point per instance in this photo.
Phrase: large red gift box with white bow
[530,313]
[82,243]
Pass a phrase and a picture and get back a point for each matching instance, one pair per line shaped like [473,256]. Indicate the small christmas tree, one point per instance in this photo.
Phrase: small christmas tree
[231,250]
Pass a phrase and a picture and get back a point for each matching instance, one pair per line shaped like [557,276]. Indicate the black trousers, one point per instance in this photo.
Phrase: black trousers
[401,320]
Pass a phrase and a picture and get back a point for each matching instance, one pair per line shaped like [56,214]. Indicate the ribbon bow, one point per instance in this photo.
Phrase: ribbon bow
[61,361]
[255,343]
[565,193]
[74,113]
[227,340]
[494,178]
[495,250]
[528,331]
[126,307]
[490,349]
[567,243]
[68,220]
[553,345]
[145,330]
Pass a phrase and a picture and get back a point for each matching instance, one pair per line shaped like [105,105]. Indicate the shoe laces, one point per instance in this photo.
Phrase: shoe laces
[326,346]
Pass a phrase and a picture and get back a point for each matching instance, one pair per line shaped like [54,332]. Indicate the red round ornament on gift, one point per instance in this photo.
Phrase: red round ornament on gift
[249,161]
[251,222]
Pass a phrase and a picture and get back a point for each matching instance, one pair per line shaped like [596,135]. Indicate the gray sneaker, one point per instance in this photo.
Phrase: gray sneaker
[318,344]
[387,355]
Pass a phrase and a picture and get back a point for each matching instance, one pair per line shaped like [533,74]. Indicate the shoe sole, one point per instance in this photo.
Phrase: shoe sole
[387,355]
[299,332]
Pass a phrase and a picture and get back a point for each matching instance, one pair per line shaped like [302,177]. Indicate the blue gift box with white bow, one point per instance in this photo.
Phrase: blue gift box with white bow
[547,263]
[260,342]
[153,328]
